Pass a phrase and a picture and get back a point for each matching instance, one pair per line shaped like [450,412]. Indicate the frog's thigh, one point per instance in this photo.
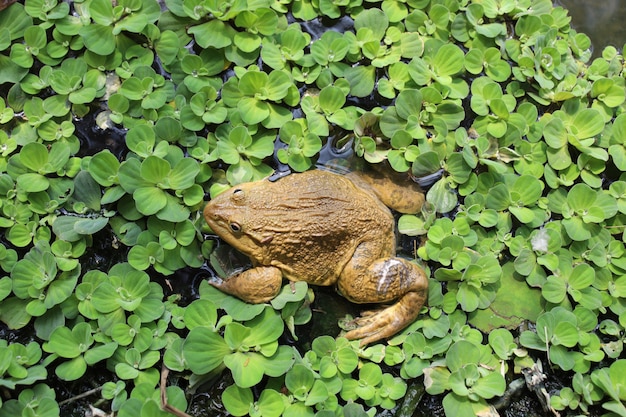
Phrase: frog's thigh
[405,197]
[255,286]
[383,281]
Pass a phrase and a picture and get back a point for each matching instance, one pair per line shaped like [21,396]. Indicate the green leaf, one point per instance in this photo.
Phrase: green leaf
[103,167]
[237,400]
[474,61]
[21,56]
[35,37]
[201,313]
[555,133]
[13,312]
[489,386]
[34,156]
[101,12]
[149,200]
[100,352]
[133,89]
[331,99]
[247,368]
[90,226]
[134,22]
[587,123]
[448,60]
[264,328]
[183,174]
[271,403]
[126,371]
[253,111]
[16,20]
[204,350]
[580,197]
[299,381]
[98,39]
[71,343]
[155,169]
[582,276]
[442,196]
[11,72]
[213,33]
[19,235]
[554,290]
[426,163]
[565,334]
[408,103]
[460,354]
[361,79]
[167,46]
[280,362]
[374,19]
[528,189]
[72,369]
[277,86]
[411,225]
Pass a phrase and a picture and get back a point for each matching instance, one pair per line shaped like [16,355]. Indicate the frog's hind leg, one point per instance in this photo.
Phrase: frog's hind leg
[401,194]
[383,281]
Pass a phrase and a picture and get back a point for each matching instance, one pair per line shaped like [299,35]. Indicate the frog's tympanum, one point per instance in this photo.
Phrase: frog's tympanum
[325,229]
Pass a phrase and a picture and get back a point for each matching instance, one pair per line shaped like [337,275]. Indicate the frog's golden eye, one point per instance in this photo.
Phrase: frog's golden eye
[235,227]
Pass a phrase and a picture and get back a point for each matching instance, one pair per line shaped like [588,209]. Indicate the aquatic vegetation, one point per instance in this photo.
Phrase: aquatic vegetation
[301,146]
[498,103]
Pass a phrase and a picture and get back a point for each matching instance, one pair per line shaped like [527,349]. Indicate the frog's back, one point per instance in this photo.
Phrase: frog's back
[316,220]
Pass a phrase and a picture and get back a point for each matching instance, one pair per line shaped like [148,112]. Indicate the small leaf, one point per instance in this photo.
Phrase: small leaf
[411,225]
[587,123]
[237,400]
[442,196]
[72,369]
[98,39]
[103,168]
[361,79]
[331,99]
[149,200]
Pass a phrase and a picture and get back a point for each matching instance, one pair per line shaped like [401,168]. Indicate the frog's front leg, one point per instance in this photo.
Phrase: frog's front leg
[383,281]
[256,285]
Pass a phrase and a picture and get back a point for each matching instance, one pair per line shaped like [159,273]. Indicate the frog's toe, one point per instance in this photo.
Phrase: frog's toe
[373,328]
[215,281]
[387,322]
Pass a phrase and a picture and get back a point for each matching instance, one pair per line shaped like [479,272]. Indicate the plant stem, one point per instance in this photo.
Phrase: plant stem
[81,395]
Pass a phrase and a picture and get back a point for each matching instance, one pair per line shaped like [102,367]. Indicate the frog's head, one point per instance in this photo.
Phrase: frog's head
[234,216]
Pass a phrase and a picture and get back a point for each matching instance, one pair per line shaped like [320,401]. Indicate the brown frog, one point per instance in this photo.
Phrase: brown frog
[326,229]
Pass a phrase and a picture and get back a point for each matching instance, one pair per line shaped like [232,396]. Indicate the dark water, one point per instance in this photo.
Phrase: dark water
[603,21]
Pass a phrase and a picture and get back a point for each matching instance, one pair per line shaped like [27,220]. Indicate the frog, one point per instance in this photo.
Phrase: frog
[327,229]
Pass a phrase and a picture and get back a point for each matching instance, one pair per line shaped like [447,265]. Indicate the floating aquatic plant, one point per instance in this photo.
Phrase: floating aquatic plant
[524,222]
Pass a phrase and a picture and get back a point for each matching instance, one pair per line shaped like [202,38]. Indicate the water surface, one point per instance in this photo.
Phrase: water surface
[603,21]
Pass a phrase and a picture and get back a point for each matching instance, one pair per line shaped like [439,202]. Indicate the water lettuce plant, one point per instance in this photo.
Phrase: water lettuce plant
[119,120]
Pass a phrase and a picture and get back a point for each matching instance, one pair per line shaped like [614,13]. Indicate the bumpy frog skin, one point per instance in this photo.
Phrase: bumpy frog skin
[325,229]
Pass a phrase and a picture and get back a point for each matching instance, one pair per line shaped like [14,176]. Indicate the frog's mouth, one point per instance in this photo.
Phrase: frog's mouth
[217,220]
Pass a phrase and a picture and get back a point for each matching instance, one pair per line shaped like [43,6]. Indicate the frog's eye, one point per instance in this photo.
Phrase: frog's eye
[238,195]
[235,227]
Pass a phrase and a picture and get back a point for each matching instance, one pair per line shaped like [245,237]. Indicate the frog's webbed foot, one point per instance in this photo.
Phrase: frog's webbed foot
[254,286]
[373,326]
